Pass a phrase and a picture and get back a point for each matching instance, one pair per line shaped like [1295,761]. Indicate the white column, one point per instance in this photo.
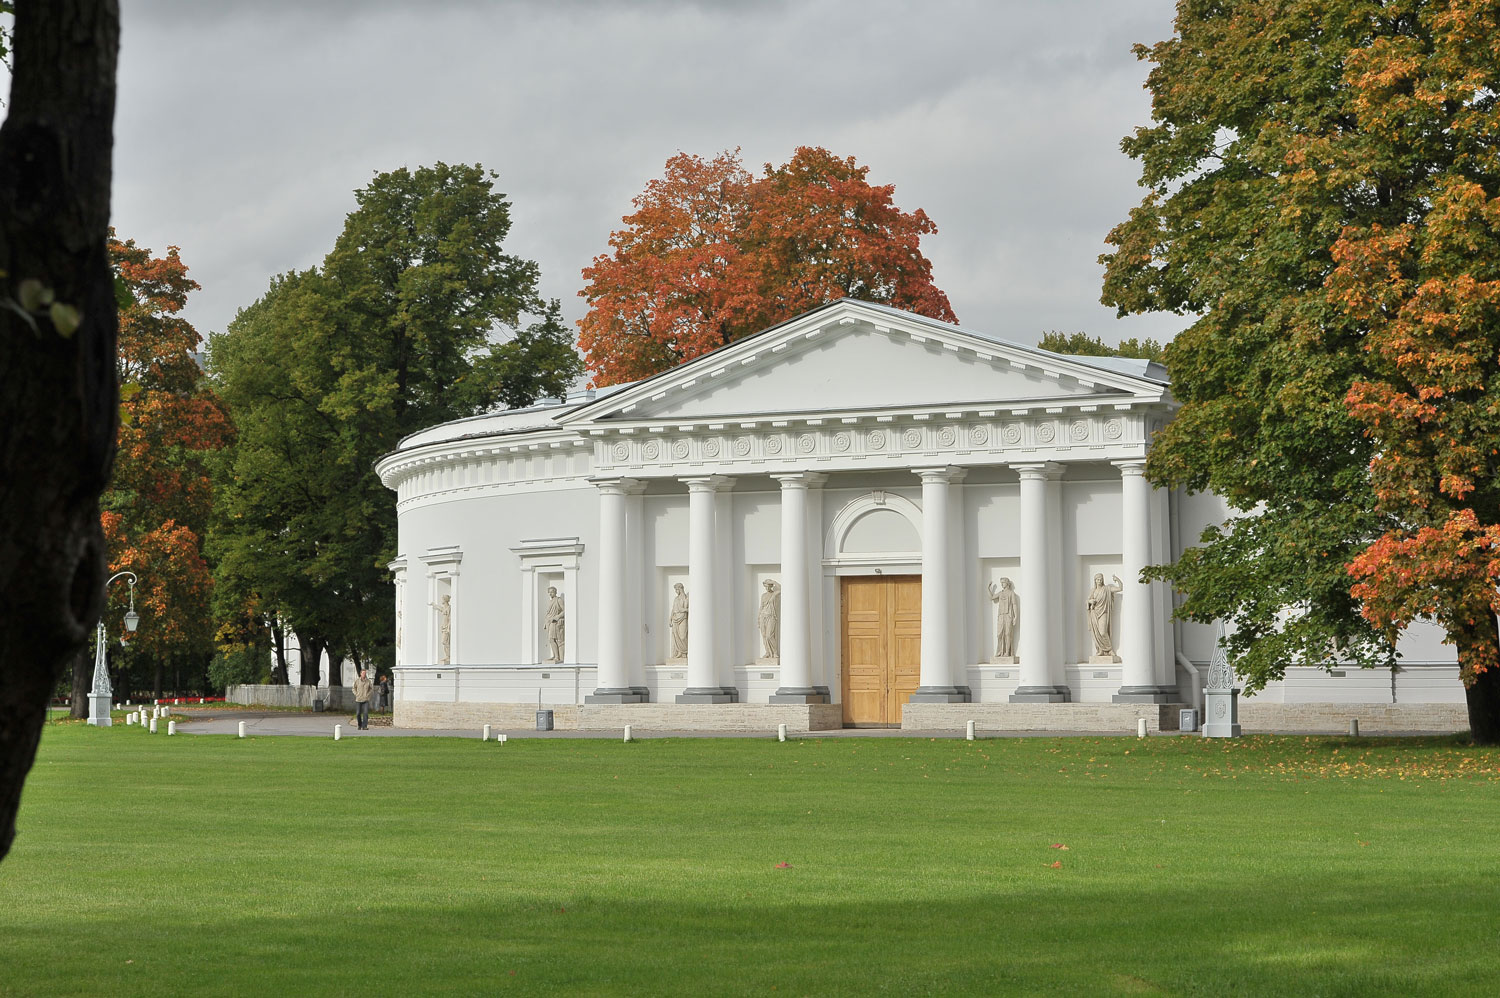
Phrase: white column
[703,581]
[1036,590]
[614,679]
[1137,629]
[796,593]
[937,684]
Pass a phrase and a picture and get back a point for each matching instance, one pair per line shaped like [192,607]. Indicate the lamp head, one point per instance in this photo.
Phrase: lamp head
[132,620]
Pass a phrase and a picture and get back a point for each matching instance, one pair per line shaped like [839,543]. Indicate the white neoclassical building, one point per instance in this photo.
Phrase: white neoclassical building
[858,517]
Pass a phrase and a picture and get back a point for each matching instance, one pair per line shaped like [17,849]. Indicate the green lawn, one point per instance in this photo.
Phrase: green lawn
[1275,866]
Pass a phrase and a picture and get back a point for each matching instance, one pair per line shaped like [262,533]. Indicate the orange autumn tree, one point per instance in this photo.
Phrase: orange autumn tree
[712,254]
[156,509]
[1428,291]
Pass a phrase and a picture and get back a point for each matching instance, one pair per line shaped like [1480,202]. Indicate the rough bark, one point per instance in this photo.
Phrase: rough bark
[1483,697]
[311,654]
[278,644]
[59,402]
[83,681]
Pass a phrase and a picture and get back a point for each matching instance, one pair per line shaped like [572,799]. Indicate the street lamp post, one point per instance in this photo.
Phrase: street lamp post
[102,695]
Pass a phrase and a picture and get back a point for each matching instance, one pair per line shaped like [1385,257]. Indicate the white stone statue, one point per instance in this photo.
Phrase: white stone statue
[679,621]
[444,608]
[1100,609]
[400,641]
[769,619]
[1007,616]
[555,624]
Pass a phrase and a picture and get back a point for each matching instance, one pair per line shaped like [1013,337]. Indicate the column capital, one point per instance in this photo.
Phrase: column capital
[1130,467]
[708,483]
[941,473]
[1039,470]
[800,479]
[619,486]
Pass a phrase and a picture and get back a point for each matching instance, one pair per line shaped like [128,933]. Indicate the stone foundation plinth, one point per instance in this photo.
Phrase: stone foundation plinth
[1333,718]
[746,717]
[1104,718]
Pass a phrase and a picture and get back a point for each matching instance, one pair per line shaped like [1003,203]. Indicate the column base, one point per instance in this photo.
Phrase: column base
[942,694]
[1040,694]
[709,694]
[617,694]
[1145,694]
[799,694]
[99,704]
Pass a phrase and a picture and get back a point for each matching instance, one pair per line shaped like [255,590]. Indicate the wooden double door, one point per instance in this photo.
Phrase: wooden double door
[882,646]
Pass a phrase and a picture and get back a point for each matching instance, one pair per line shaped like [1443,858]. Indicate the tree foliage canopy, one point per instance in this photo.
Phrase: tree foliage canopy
[1319,177]
[1084,345]
[155,512]
[417,316]
[712,254]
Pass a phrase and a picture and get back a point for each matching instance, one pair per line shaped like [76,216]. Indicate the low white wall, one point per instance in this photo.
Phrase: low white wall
[290,696]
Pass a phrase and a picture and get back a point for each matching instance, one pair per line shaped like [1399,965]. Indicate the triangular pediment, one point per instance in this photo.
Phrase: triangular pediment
[855,357]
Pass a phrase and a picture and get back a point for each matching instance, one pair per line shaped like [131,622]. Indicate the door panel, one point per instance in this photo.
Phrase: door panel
[882,644]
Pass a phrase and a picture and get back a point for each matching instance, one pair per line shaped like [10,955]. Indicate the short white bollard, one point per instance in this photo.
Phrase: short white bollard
[1140,727]
[142,718]
[969,731]
[153,725]
[486,736]
[171,727]
[1353,727]
[781,732]
[129,719]
[166,711]
[338,732]
[627,733]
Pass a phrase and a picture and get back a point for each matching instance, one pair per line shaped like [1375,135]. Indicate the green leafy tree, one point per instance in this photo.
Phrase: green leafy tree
[1263,157]
[417,316]
[1084,345]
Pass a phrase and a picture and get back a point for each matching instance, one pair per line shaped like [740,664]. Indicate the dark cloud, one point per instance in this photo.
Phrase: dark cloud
[243,128]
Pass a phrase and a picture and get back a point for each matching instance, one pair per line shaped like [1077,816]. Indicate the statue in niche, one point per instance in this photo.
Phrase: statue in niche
[1007,616]
[769,619]
[555,624]
[679,621]
[1100,610]
[444,609]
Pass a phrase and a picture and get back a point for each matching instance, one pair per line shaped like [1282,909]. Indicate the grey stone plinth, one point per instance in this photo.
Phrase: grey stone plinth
[617,695]
[99,704]
[941,694]
[709,694]
[1145,694]
[1221,713]
[1040,694]
[799,694]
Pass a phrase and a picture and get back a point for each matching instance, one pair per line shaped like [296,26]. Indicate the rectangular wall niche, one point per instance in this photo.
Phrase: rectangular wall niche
[548,561]
[443,606]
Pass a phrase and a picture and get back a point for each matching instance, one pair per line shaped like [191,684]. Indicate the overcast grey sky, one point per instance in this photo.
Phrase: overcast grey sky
[243,128]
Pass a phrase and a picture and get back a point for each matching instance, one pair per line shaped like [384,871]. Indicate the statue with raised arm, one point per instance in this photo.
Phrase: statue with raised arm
[679,621]
[555,624]
[444,609]
[1100,609]
[769,619]
[1007,616]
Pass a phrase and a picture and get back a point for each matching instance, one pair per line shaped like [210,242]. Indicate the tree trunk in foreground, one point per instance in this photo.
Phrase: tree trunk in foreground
[59,401]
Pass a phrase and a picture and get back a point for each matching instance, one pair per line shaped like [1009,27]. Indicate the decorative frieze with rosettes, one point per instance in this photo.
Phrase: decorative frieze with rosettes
[874,442]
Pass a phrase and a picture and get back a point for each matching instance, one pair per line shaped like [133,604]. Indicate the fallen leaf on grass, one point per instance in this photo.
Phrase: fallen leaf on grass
[1058,845]
[1057,864]
[783,866]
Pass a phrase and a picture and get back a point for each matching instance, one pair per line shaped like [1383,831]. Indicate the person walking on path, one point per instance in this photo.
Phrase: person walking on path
[383,694]
[362,690]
